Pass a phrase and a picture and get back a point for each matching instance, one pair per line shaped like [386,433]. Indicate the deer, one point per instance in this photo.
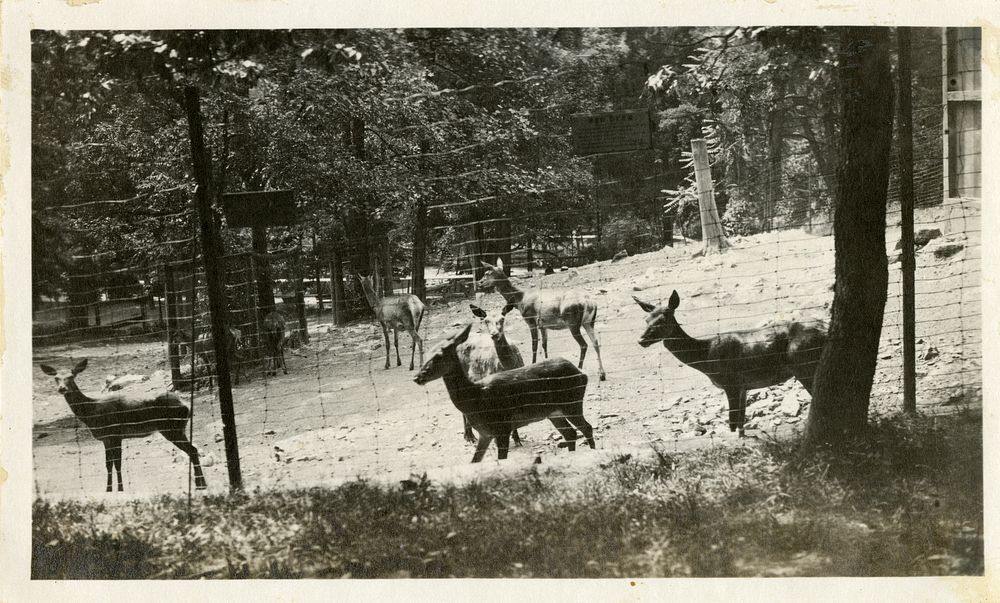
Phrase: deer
[502,402]
[396,312]
[545,309]
[273,338]
[121,415]
[486,353]
[739,361]
[204,350]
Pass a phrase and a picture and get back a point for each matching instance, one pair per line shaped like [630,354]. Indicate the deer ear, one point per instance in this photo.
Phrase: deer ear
[462,335]
[486,264]
[506,309]
[675,300]
[500,264]
[80,366]
[648,307]
[48,370]
[477,311]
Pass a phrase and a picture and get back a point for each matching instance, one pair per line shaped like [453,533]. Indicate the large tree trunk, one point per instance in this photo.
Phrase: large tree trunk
[712,236]
[843,380]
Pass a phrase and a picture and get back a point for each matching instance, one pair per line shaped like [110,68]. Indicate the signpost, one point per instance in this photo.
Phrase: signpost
[260,209]
[611,132]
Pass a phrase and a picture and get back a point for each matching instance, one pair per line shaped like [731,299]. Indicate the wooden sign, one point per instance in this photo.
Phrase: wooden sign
[611,132]
[261,208]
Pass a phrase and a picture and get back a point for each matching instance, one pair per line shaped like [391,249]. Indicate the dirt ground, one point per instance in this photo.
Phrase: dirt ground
[339,414]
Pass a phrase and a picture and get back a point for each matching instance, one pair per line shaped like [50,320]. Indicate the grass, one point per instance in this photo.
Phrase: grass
[905,500]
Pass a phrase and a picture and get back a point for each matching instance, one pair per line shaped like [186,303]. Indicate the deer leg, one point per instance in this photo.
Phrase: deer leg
[177,438]
[385,334]
[417,341]
[567,432]
[503,445]
[284,367]
[733,394]
[469,436]
[118,469]
[534,343]
[395,339]
[517,438]
[597,348]
[575,331]
[109,462]
[585,428]
[545,342]
[484,443]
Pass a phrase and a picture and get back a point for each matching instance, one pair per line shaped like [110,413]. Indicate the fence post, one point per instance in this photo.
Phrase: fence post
[298,278]
[173,353]
[211,253]
[906,211]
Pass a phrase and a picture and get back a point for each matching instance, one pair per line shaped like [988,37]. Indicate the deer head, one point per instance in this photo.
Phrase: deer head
[65,378]
[443,358]
[660,322]
[492,276]
[492,321]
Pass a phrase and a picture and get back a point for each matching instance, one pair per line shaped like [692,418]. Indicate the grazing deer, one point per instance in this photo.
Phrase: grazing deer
[548,309]
[204,349]
[740,360]
[274,338]
[502,402]
[119,415]
[396,312]
[486,353]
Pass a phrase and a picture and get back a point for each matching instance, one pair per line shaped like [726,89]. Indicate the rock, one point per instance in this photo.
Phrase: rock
[930,353]
[946,251]
[621,255]
[790,406]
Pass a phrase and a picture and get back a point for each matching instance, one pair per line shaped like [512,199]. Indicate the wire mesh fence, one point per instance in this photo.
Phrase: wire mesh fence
[335,412]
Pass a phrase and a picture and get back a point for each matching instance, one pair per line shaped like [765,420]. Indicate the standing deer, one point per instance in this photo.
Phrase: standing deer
[502,402]
[120,415]
[274,338]
[740,361]
[486,353]
[548,309]
[396,312]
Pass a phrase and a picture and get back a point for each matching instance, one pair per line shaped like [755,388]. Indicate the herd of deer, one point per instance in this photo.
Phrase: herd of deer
[484,373]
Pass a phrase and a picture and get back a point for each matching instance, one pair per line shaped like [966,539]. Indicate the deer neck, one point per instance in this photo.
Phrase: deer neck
[463,392]
[687,349]
[504,352]
[370,295]
[80,403]
[511,294]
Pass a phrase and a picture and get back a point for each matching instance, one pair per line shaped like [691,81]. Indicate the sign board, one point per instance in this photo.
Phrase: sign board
[262,208]
[611,132]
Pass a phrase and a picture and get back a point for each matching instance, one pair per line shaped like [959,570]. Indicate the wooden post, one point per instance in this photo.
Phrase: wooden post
[319,284]
[713,237]
[337,286]
[265,286]
[906,209]
[478,251]
[386,264]
[529,254]
[173,351]
[211,252]
[503,243]
[418,262]
[299,278]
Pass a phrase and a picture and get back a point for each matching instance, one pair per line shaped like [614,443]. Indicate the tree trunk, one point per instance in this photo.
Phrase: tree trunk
[712,236]
[843,381]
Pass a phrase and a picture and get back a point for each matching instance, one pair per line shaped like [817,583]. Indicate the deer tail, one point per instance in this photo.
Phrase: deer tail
[417,309]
